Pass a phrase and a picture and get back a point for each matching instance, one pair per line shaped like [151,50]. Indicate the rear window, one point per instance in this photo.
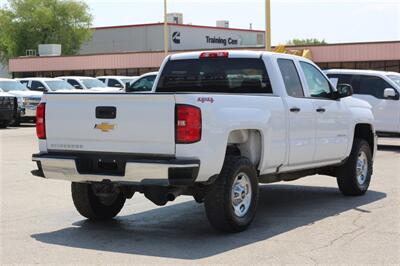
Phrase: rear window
[217,75]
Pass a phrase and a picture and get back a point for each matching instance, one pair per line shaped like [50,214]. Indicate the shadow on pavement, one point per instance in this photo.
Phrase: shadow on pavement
[182,231]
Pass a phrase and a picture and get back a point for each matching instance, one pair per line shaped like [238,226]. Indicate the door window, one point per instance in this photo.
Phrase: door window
[37,86]
[353,80]
[318,85]
[114,83]
[102,80]
[75,84]
[374,86]
[143,84]
[291,78]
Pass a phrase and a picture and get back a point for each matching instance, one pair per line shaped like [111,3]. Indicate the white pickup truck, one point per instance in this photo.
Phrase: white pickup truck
[216,125]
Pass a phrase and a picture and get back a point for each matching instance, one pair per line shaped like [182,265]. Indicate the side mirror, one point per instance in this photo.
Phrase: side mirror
[78,87]
[390,93]
[41,88]
[344,90]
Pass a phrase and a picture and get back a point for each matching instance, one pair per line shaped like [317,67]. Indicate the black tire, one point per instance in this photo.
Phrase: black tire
[218,200]
[17,122]
[91,206]
[347,179]
[4,124]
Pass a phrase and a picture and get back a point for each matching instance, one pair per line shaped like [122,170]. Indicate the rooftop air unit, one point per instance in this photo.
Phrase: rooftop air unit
[223,23]
[176,18]
[49,49]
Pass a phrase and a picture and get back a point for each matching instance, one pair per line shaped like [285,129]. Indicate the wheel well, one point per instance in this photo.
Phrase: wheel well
[247,143]
[364,131]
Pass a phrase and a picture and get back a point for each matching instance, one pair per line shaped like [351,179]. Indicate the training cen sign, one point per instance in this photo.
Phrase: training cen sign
[190,38]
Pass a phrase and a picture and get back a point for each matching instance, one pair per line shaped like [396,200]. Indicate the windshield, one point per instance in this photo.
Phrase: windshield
[93,83]
[395,78]
[12,86]
[56,85]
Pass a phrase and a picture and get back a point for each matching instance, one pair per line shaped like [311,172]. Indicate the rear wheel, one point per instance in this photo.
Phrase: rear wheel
[231,201]
[4,124]
[354,176]
[93,207]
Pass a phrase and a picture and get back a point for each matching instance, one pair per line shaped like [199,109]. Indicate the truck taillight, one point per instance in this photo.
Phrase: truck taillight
[40,122]
[187,124]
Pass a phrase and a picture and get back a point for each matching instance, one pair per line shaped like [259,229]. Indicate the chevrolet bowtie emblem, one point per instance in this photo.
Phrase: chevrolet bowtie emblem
[104,127]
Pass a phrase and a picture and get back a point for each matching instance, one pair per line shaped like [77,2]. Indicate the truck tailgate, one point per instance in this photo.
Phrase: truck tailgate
[143,124]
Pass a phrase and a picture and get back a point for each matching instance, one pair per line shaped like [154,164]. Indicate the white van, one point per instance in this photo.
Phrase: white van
[381,89]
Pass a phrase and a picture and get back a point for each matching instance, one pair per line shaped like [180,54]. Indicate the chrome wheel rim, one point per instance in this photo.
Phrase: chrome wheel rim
[241,194]
[362,168]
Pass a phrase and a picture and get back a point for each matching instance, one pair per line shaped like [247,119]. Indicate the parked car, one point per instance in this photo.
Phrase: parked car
[380,89]
[46,84]
[117,81]
[218,124]
[87,83]
[26,100]
[8,109]
[143,84]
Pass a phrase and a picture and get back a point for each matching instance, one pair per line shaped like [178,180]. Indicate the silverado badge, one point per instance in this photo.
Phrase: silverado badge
[104,127]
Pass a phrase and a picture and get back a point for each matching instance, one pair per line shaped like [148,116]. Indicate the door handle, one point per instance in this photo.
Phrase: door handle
[321,110]
[295,109]
[106,112]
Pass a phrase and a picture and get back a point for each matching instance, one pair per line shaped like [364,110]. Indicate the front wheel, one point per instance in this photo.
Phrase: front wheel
[93,207]
[231,201]
[354,176]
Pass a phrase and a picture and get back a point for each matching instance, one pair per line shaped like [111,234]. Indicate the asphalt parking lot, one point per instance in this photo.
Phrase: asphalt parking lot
[303,222]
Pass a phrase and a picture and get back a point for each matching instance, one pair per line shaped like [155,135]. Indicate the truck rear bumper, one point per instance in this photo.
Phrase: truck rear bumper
[172,172]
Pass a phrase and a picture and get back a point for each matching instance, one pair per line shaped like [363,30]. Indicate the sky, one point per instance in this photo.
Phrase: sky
[335,21]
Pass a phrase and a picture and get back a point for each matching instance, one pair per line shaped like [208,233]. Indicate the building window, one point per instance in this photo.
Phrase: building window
[348,65]
[378,65]
[363,65]
[334,65]
[393,66]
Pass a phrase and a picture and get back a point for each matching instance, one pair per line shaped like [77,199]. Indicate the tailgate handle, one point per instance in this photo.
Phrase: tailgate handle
[106,112]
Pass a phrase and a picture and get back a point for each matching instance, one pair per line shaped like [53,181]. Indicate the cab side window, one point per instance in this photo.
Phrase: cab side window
[374,86]
[25,83]
[291,78]
[75,84]
[114,83]
[318,85]
[37,86]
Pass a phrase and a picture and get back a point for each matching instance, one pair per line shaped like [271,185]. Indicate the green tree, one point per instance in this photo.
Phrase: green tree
[24,24]
[311,41]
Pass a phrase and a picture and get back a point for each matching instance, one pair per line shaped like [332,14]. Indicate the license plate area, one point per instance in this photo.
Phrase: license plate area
[101,165]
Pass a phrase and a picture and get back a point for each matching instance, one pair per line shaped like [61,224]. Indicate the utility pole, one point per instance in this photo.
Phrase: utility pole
[165,28]
[268,25]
